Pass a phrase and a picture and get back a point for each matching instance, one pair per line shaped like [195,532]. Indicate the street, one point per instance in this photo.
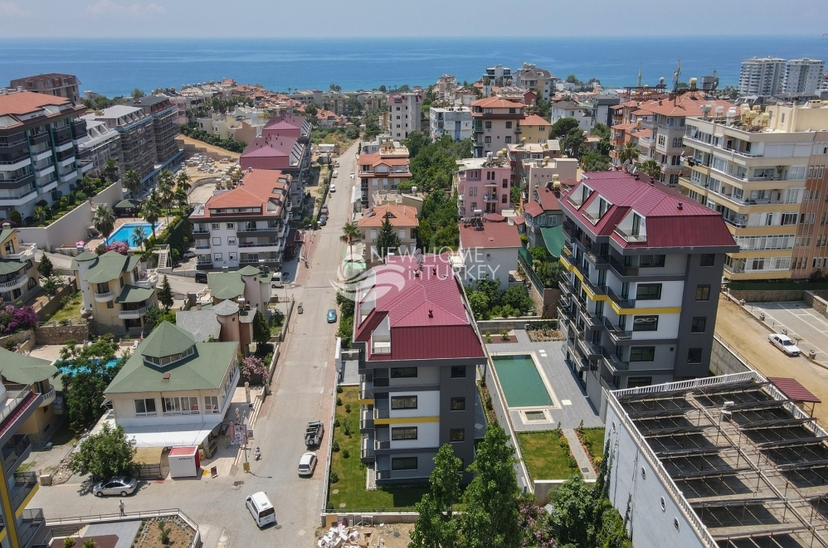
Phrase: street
[303,390]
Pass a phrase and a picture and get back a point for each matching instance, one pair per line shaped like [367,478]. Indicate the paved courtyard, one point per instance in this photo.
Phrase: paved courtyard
[806,326]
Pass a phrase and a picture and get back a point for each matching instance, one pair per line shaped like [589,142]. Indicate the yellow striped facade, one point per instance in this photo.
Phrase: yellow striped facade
[405,420]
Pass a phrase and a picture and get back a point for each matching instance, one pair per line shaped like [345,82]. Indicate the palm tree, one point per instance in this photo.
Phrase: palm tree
[165,191]
[629,152]
[651,168]
[132,181]
[104,220]
[110,170]
[41,213]
[151,211]
[183,181]
[138,239]
[180,197]
[350,232]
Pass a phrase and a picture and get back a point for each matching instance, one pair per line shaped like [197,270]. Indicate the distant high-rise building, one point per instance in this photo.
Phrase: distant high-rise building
[59,85]
[803,75]
[761,76]
[403,114]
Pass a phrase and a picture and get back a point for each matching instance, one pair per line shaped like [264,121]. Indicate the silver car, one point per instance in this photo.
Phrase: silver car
[117,486]
[307,464]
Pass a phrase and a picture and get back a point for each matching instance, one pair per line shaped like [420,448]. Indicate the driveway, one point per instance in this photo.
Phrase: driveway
[303,390]
[805,325]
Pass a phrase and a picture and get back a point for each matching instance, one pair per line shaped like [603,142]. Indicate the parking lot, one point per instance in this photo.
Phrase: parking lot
[808,328]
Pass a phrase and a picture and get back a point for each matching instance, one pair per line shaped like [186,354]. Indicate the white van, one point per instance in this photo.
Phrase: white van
[261,509]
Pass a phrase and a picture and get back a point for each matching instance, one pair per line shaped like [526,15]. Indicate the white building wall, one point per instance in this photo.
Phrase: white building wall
[428,405]
[489,264]
[428,435]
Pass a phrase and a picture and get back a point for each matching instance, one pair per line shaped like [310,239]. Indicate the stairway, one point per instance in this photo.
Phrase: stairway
[163,256]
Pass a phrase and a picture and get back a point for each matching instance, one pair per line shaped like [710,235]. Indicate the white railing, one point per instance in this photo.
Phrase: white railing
[105,296]
[98,518]
[20,280]
[26,252]
[149,282]
[137,313]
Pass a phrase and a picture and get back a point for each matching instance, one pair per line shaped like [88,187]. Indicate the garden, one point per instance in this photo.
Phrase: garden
[547,455]
[488,301]
[45,214]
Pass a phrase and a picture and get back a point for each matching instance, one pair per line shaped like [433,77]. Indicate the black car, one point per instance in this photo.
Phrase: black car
[201,277]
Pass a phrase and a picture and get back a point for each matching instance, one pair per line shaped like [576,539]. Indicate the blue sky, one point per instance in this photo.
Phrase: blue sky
[382,18]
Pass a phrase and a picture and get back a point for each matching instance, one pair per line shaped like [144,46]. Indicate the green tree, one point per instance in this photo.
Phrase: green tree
[346,330]
[165,296]
[437,526]
[492,498]
[574,142]
[387,238]
[312,110]
[138,93]
[45,268]
[132,181]
[562,127]
[261,331]
[110,170]
[151,211]
[543,108]
[166,192]
[601,130]
[350,234]
[50,285]
[106,454]
[629,152]
[183,181]
[592,161]
[137,238]
[651,168]
[479,303]
[88,373]
[104,220]
[517,298]
[41,214]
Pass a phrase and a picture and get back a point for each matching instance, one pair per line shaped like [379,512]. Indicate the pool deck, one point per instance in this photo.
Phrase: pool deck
[571,403]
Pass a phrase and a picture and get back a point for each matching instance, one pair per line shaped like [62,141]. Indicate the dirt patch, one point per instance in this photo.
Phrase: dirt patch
[390,535]
[496,338]
[544,335]
[149,535]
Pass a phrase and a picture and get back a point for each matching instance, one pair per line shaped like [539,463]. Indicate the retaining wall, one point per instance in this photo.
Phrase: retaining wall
[816,302]
[46,310]
[766,296]
[25,340]
[545,488]
[486,326]
[725,360]
[61,334]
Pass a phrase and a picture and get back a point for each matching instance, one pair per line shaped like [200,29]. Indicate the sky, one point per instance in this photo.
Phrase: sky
[419,18]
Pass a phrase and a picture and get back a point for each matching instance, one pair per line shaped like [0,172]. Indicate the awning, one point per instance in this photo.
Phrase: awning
[793,390]
[134,294]
[553,239]
[127,204]
[172,435]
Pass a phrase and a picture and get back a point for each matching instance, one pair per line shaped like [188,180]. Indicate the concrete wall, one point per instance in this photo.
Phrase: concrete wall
[725,360]
[764,296]
[43,311]
[72,227]
[486,326]
[816,302]
[60,334]
[545,488]
[25,339]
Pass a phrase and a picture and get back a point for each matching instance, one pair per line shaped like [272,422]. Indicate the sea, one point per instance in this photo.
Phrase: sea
[114,67]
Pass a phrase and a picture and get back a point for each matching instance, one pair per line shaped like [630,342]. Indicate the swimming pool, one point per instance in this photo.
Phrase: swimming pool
[66,367]
[125,232]
[521,382]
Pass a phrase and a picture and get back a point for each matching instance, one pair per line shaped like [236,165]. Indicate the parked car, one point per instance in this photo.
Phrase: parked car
[188,255]
[332,315]
[117,486]
[323,220]
[784,343]
[201,277]
[333,187]
[314,433]
[324,210]
[335,174]
[336,163]
[307,464]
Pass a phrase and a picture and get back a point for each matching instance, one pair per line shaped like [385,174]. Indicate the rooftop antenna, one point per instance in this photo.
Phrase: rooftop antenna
[676,75]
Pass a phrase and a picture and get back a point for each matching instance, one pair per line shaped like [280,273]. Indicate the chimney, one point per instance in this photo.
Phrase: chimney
[680,206]
[430,313]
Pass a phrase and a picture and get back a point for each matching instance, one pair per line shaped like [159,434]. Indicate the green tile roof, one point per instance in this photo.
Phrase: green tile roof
[8,266]
[204,370]
[165,340]
[249,271]
[107,268]
[554,239]
[22,369]
[6,232]
[127,204]
[82,257]
[225,285]
[134,294]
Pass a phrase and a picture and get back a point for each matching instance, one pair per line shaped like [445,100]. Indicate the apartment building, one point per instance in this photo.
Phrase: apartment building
[537,79]
[803,76]
[726,461]
[284,145]
[101,143]
[38,135]
[383,170]
[19,279]
[567,108]
[534,129]
[640,297]
[525,154]
[761,76]
[137,138]
[488,251]
[53,83]
[766,173]
[174,391]
[415,397]
[536,173]
[22,527]
[496,124]
[403,114]
[543,215]
[456,122]
[403,219]
[29,373]
[116,291]
[163,114]
[482,185]
[498,75]
[247,225]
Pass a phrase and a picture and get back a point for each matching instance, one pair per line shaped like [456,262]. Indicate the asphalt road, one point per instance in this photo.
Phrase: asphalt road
[303,390]
[805,325]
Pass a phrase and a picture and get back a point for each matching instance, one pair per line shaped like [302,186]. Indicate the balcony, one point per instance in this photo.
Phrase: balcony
[149,282]
[366,390]
[589,349]
[105,296]
[366,419]
[614,362]
[135,313]
[24,484]
[367,451]
[16,451]
[621,270]
[30,525]
[490,198]
[616,332]
[380,346]
[629,237]
[27,251]
[203,245]
[621,301]
[16,283]
[48,396]
[202,231]
[381,413]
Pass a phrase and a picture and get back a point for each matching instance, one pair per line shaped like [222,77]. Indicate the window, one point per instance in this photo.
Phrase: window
[404,402]
[180,406]
[216,241]
[404,463]
[635,382]
[231,226]
[214,226]
[645,323]
[487,139]
[703,292]
[642,353]
[458,372]
[488,125]
[231,241]
[145,407]
[508,125]
[707,259]
[694,355]
[211,404]
[457,434]
[508,139]
[217,257]
[458,404]
[403,372]
[699,324]
[651,261]
[404,433]
[648,292]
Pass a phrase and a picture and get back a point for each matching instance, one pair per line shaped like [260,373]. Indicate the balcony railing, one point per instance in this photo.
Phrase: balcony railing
[628,237]
[26,252]
[31,522]
[366,390]
[614,362]
[381,413]
[15,452]
[367,447]
[24,483]
[379,445]
[104,296]
[622,269]
[617,332]
[19,281]
[621,301]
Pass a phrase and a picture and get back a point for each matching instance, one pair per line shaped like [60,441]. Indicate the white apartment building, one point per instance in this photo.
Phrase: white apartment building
[803,76]
[537,79]
[573,109]
[766,174]
[403,115]
[456,122]
[761,76]
[99,145]
[495,73]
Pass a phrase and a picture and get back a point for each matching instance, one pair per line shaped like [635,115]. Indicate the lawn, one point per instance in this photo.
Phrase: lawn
[350,489]
[593,441]
[544,457]
[70,309]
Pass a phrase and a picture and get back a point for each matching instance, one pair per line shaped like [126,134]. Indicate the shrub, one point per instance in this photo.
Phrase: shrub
[165,533]
[338,401]
[335,446]
[346,454]
[504,334]
[336,423]
[488,337]
[347,407]
[339,391]
[68,542]
[14,319]
[334,477]
[347,430]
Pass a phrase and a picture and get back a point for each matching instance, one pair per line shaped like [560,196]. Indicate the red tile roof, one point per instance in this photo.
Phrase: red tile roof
[687,104]
[495,102]
[24,102]
[533,208]
[492,236]
[535,120]
[424,307]
[400,216]
[794,390]
[258,188]
[671,219]
[548,200]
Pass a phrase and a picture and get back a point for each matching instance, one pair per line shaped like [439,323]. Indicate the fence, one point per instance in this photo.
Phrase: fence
[65,523]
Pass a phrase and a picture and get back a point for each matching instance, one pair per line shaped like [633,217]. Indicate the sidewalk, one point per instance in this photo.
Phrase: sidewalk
[580,455]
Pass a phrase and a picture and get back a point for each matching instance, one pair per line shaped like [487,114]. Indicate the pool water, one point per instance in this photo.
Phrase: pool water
[520,381]
[124,233]
[66,367]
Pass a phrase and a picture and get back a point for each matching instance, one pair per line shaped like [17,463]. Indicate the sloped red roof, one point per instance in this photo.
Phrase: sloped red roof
[548,200]
[794,390]
[533,208]
[496,102]
[257,188]
[492,235]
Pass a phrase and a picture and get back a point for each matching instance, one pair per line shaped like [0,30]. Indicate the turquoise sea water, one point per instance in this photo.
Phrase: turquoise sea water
[117,66]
